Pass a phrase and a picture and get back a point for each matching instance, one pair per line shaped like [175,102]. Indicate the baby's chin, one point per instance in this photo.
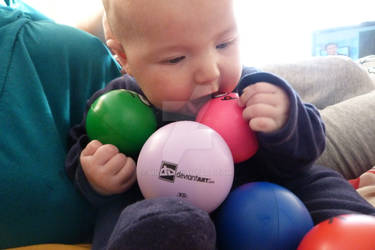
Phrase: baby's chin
[189,108]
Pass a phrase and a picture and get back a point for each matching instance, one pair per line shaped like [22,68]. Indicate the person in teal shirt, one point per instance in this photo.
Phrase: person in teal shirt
[47,72]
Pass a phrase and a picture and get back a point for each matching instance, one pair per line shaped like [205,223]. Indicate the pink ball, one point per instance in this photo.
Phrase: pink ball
[189,160]
[224,115]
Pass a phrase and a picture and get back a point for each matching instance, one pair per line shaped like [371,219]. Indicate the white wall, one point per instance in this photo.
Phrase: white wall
[282,30]
[271,30]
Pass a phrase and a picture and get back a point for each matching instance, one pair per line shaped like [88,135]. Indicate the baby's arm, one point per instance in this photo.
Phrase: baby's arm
[290,133]
[78,142]
[107,170]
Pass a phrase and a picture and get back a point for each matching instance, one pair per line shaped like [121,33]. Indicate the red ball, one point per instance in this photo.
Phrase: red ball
[224,115]
[345,232]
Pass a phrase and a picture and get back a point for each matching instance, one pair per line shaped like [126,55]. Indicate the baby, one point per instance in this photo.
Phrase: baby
[178,54]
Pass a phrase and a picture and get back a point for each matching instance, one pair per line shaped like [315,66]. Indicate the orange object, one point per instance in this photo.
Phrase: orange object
[345,232]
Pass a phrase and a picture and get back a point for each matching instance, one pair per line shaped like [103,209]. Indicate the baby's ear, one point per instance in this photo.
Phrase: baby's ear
[118,52]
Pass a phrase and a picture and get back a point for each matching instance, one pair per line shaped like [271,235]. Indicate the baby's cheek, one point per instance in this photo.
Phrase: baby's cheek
[230,81]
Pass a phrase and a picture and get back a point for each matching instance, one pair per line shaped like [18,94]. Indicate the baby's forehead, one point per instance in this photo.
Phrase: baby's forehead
[135,17]
[120,14]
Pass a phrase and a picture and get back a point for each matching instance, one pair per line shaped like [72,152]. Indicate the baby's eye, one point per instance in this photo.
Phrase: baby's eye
[222,45]
[226,44]
[176,60]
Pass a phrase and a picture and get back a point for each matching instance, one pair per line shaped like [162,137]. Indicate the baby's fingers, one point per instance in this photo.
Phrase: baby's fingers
[91,148]
[128,174]
[257,88]
[263,124]
[125,177]
[259,110]
[104,153]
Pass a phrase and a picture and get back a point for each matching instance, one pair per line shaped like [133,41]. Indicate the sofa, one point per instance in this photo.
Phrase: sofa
[344,92]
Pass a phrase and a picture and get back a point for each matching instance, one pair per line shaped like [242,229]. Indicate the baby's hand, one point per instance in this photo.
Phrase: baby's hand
[266,107]
[107,170]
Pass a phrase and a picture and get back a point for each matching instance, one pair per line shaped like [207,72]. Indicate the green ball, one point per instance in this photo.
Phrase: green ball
[122,118]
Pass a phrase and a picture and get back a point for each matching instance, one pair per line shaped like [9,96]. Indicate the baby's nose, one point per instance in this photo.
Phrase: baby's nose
[208,72]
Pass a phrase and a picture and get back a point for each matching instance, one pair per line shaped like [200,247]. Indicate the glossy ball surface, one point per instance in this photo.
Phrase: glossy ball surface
[344,232]
[224,115]
[262,215]
[122,118]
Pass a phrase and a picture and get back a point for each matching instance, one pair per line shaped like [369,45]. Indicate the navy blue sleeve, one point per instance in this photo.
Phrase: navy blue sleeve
[299,142]
[78,140]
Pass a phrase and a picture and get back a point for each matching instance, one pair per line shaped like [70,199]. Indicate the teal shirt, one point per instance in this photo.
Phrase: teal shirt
[47,73]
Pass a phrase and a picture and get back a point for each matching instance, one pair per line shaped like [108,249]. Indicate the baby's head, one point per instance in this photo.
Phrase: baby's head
[179,51]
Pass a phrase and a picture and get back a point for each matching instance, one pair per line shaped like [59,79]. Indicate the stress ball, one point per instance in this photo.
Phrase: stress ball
[189,160]
[224,115]
[344,232]
[122,118]
[262,215]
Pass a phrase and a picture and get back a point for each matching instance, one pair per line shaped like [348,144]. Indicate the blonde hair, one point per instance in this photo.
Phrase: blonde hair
[120,19]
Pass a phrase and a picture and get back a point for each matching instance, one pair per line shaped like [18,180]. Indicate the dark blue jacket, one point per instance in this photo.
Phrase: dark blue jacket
[281,155]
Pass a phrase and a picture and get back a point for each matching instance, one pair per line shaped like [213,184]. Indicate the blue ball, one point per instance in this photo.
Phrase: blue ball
[262,215]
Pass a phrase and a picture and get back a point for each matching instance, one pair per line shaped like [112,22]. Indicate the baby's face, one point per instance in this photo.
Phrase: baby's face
[184,52]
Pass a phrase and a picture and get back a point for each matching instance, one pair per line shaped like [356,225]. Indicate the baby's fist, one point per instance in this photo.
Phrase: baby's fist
[107,170]
[266,107]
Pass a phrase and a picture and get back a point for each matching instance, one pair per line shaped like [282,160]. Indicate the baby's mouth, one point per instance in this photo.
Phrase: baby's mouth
[195,105]
[199,102]
[218,94]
